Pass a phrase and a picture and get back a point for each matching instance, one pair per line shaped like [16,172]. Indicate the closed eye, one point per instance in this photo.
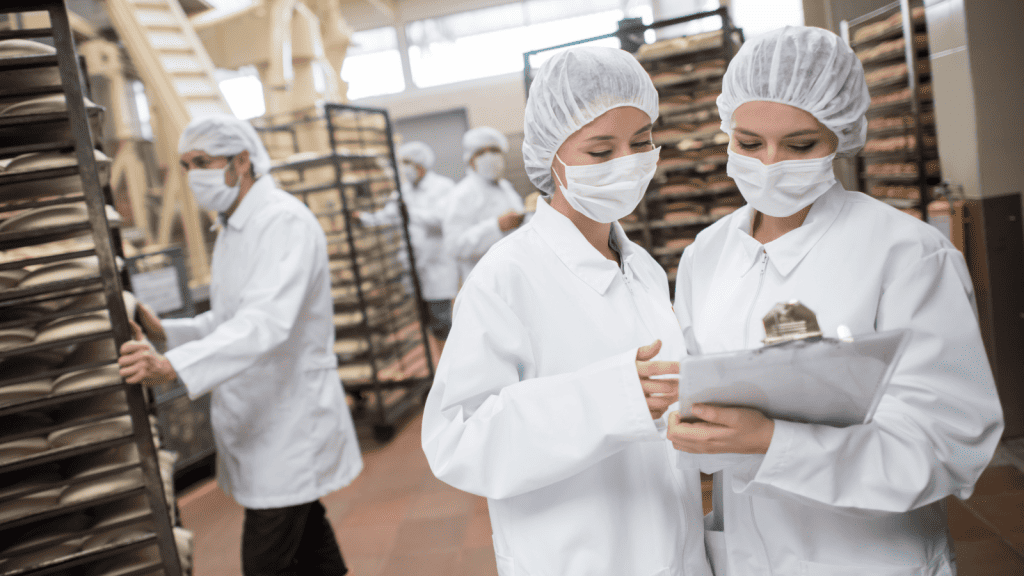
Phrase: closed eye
[641,145]
[802,147]
[603,154]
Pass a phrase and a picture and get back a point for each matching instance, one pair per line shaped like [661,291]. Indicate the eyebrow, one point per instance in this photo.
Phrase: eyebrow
[790,135]
[609,137]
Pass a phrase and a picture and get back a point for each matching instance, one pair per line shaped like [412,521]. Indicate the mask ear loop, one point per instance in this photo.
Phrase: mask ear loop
[555,172]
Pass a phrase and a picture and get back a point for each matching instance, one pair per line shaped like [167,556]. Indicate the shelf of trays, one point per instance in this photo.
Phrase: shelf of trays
[380,342]
[893,165]
[690,189]
[83,489]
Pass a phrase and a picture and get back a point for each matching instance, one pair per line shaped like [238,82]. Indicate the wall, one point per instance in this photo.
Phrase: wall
[497,101]
[829,13]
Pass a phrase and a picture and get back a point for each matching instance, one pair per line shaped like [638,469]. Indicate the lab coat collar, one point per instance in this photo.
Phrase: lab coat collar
[786,252]
[576,253]
[251,203]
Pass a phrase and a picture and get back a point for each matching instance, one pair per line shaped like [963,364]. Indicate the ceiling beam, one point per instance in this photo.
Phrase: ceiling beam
[385,7]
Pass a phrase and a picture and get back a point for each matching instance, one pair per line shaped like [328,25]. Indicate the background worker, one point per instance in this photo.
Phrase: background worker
[426,195]
[264,351]
[484,206]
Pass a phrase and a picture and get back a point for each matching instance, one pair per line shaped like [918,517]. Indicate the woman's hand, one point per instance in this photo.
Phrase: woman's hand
[721,430]
[660,392]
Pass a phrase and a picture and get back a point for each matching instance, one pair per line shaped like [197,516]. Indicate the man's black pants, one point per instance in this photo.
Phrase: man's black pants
[291,541]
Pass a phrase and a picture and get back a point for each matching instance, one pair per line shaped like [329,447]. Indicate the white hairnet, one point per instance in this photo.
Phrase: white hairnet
[224,135]
[571,90]
[417,153]
[808,68]
[480,138]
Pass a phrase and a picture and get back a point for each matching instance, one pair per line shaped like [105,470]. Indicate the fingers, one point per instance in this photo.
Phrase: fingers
[649,351]
[723,415]
[137,332]
[660,387]
[658,405]
[656,368]
[132,346]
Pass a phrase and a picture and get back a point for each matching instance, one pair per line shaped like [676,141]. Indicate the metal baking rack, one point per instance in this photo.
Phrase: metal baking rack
[690,190]
[900,161]
[382,346]
[39,498]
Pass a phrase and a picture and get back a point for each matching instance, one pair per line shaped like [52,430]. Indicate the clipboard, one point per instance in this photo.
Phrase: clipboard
[821,381]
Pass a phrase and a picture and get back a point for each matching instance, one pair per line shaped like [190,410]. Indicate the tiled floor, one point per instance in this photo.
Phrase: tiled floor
[396,519]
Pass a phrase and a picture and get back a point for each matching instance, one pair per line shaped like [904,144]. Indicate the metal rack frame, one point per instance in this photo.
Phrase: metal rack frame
[385,414]
[108,282]
[908,30]
[631,32]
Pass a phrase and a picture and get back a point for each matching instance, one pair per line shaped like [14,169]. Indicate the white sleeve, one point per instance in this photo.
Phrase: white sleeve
[935,429]
[182,330]
[431,214]
[269,308]
[466,239]
[389,215]
[493,428]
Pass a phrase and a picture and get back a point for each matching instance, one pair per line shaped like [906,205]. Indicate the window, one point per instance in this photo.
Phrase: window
[373,65]
[756,17]
[491,41]
[142,109]
[243,91]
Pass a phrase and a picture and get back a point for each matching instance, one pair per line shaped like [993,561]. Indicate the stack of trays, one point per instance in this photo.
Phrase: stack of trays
[893,165]
[370,281]
[71,479]
[690,189]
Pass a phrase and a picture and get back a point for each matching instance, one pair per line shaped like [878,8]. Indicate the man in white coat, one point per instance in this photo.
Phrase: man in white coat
[283,433]
[484,206]
[426,195]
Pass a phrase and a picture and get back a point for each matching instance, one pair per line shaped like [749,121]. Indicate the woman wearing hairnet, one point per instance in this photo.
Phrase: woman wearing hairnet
[811,499]
[546,400]
[484,207]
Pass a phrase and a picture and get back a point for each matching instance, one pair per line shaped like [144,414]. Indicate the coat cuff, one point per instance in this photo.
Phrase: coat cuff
[773,465]
[633,401]
[187,375]
[179,331]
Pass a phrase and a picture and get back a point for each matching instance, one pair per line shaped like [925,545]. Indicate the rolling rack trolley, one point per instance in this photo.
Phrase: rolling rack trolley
[690,190]
[82,487]
[900,161]
[381,343]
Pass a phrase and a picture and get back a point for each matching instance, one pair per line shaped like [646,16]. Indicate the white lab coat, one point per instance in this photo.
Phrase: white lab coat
[471,224]
[537,406]
[865,499]
[426,204]
[283,432]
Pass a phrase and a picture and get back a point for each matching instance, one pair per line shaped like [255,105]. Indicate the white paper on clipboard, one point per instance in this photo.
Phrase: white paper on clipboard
[826,381]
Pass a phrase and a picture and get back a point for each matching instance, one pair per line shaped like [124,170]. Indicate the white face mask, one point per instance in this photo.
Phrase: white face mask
[490,165]
[610,190]
[784,188]
[210,190]
[409,172]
